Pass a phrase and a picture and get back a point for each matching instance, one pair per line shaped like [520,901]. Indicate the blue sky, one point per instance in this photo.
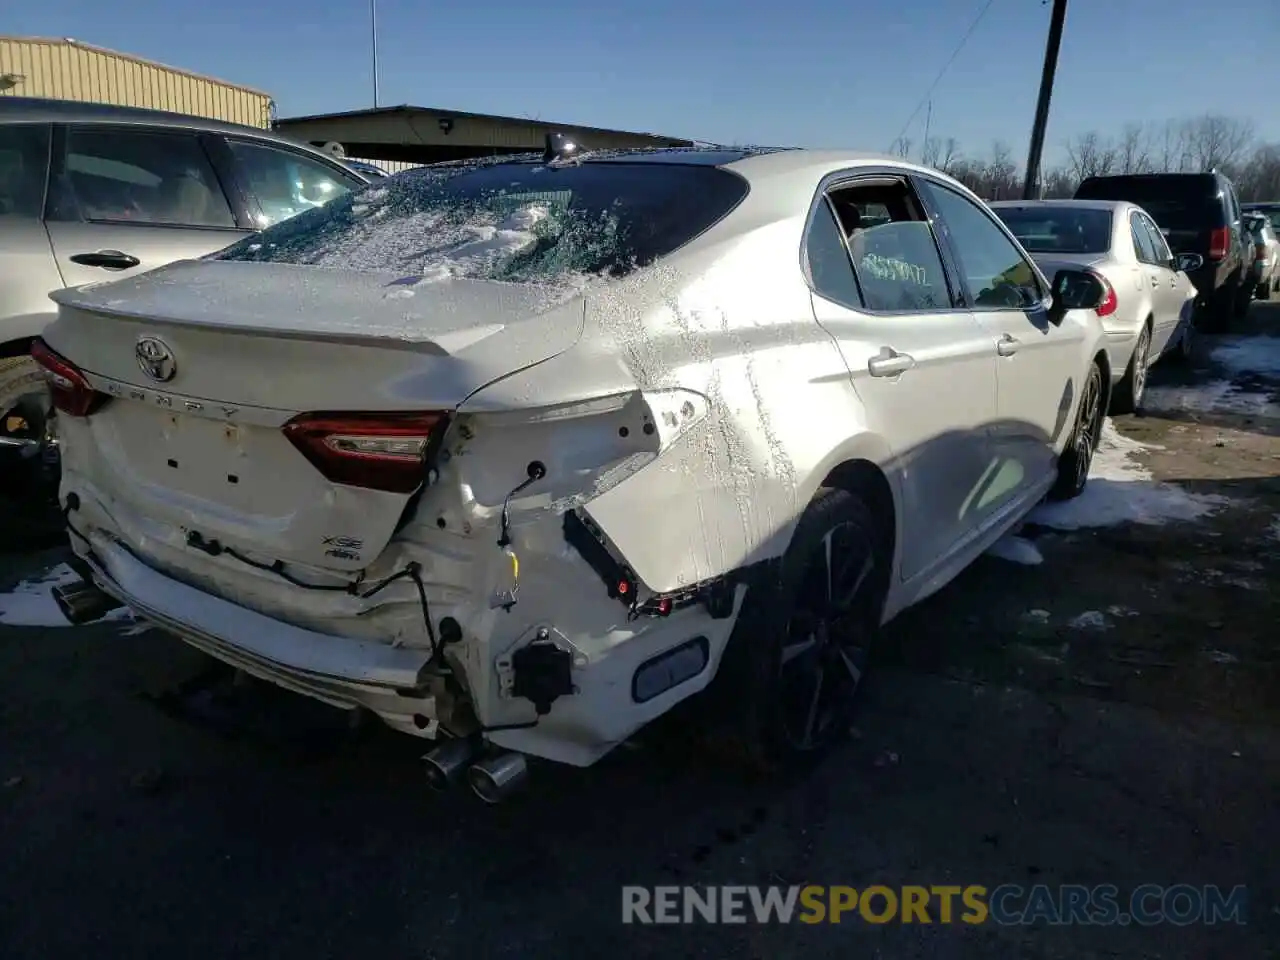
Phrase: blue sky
[801,72]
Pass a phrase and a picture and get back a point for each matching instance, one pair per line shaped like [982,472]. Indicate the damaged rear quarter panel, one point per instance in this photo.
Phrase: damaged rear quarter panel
[730,321]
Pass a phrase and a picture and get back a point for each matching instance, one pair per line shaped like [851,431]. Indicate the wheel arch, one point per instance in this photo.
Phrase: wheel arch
[17,347]
[864,466]
[1101,359]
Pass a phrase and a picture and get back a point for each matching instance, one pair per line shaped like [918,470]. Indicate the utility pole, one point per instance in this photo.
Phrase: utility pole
[1031,188]
[928,122]
[373,37]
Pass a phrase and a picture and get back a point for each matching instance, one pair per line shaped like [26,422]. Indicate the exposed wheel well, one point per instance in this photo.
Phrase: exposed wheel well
[1101,360]
[866,480]
[16,348]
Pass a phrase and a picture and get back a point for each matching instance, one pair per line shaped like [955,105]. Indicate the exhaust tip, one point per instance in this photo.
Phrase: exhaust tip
[496,778]
[82,602]
[447,762]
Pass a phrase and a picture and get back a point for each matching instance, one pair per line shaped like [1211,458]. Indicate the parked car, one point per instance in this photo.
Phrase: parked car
[1268,208]
[1197,213]
[518,455]
[1265,274]
[1147,303]
[92,192]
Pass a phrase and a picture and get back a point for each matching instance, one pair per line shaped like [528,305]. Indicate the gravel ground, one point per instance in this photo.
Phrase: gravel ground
[1106,715]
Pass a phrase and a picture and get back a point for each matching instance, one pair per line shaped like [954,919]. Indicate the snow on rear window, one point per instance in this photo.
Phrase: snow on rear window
[519,222]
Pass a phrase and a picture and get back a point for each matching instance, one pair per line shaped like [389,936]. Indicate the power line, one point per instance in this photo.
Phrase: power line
[945,67]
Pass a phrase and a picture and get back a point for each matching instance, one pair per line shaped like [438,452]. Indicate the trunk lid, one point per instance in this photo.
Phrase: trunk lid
[249,347]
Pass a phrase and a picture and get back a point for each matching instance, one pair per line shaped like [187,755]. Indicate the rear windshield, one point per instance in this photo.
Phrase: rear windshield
[1175,203]
[522,222]
[1271,213]
[1059,229]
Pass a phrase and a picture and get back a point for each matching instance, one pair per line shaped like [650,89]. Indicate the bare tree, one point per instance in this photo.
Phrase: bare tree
[1002,172]
[1170,145]
[1090,155]
[930,150]
[901,147]
[1259,177]
[1058,185]
[1215,141]
[1133,154]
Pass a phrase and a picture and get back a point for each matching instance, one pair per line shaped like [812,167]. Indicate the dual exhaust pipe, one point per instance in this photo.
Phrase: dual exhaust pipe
[492,778]
[83,602]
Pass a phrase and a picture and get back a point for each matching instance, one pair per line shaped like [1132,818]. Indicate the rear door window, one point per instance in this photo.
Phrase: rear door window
[889,239]
[1143,246]
[24,168]
[285,183]
[112,175]
[1159,245]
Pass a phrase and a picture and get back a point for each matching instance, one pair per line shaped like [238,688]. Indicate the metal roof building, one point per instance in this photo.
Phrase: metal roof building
[66,69]
[408,135]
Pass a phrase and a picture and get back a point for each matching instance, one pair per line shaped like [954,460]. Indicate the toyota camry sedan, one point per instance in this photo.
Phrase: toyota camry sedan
[519,455]
[1148,297]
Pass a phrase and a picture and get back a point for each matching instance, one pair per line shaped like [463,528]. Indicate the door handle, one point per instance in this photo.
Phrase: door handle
[1007,345]
[889,363]
[1155,281]
[107,259]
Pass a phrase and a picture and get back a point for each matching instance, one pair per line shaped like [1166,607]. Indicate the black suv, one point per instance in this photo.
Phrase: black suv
[1198,213]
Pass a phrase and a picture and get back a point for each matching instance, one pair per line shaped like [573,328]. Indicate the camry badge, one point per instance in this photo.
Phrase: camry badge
[156,359]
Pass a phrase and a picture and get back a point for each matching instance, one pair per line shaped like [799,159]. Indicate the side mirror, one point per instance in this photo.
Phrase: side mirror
[1075,290]
[1189,262]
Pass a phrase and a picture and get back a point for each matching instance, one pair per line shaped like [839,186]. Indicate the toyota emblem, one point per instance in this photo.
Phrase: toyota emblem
[156,359]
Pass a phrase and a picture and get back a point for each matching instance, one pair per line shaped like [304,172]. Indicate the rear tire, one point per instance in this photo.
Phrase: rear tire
[1182,355]
[787,682]
[1217,313]
[1244,297]
[1127,396]
[1077,458]
[1264,291]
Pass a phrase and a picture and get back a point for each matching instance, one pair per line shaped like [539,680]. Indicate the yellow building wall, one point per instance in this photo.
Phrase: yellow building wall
[67,70]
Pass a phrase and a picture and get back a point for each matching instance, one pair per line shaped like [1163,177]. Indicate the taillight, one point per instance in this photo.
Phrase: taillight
[1219,243]
[1260,251]
[1109,301]
[71,392]
[378,451]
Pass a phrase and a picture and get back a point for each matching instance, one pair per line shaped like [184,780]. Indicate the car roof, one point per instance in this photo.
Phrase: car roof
[752,162]
[1062,202]
[43,110]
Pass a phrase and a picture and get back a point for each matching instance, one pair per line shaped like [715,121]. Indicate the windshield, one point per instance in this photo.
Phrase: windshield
[1059,229]
[506,221]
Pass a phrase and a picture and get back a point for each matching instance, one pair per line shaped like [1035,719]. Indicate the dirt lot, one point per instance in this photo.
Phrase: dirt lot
[1109,714]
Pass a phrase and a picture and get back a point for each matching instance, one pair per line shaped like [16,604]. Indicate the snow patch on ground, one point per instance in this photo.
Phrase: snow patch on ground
[1122,490]
[1215,396]
[30,603]
[1016,550]
[1247,359]
[1241,355]
[1090,620]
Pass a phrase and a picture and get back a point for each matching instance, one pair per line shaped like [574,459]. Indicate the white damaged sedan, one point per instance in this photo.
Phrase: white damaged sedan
[518,455]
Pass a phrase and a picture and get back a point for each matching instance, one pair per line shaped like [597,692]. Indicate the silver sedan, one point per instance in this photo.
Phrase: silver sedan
[1146,312]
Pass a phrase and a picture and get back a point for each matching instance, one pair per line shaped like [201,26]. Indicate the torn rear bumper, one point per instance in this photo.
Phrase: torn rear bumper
[341,671]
